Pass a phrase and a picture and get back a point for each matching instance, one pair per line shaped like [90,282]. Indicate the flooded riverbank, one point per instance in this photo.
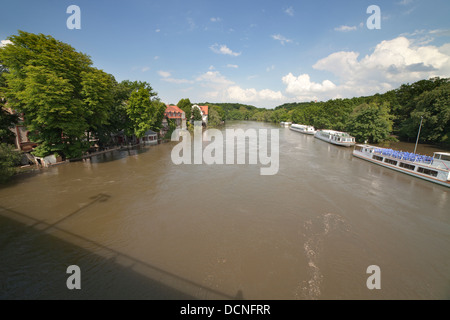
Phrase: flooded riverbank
[140,227]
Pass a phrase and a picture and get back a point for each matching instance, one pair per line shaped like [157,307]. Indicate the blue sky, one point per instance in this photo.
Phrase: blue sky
[264,53]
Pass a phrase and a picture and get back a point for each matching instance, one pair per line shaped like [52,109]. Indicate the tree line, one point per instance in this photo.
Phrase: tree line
[395,114]
[67,103]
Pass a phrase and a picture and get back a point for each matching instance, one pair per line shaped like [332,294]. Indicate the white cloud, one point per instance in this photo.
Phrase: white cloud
[215,19]
[345,28]
[236,93]
[164,74]
[281,38]
[303,88]
[5,42]
[289,11]
[211,67]
[156,57]
[144,69]
[405,2]
[158,30]
[226,90]
[392,63]
[272,67]
[235,66]
[223,49]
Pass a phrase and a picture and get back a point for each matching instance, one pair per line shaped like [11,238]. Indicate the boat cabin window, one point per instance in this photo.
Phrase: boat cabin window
[407,166]
[440,156]
[391,162]
[358,148]
[428,172]
[377,158]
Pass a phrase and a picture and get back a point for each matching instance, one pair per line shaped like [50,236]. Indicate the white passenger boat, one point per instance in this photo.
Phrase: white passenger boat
[335,137]
[285,124]
[303,128]
[434,169]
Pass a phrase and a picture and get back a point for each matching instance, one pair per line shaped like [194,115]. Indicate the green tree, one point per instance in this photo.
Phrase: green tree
[7,121]
[434,107]
[9,159]
[44,81]
[172,126]
[218,109]
[214,119]
[196,114]
[186,106]
[144,113]
[371,122]
[96,93]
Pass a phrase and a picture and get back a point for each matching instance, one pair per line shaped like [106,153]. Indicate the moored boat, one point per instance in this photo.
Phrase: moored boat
[303,128]
[285,124]
[335,137]
[434,169]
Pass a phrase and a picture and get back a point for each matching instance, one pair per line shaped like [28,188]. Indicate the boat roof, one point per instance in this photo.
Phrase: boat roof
[365,146]
[443,153]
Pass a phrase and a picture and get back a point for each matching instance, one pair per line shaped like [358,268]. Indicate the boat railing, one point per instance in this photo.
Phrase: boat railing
[406,156]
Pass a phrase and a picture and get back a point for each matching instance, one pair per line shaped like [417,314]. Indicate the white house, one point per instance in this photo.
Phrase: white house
[203,112]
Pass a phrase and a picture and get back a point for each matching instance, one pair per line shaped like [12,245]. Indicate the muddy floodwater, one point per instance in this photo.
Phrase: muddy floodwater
[140,227]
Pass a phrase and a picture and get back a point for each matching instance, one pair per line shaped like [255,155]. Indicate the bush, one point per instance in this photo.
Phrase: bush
[9,159]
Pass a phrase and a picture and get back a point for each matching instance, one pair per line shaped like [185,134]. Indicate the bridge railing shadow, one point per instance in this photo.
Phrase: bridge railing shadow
[109,275]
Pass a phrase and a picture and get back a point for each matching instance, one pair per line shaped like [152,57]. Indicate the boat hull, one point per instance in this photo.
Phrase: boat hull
[342,144]
[302,131]
[364,156]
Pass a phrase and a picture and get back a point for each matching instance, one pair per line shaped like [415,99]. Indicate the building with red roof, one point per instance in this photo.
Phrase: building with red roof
[176,114]
[203,111]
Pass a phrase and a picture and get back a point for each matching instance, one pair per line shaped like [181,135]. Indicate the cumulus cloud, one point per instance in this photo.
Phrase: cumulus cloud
[4,43]
[236,93]
[223,89]
[283,40]
[391,63]
[223,49]
[303,88]
[394,61]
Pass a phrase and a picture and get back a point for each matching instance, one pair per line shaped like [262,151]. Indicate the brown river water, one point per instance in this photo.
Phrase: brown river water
[141,227]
